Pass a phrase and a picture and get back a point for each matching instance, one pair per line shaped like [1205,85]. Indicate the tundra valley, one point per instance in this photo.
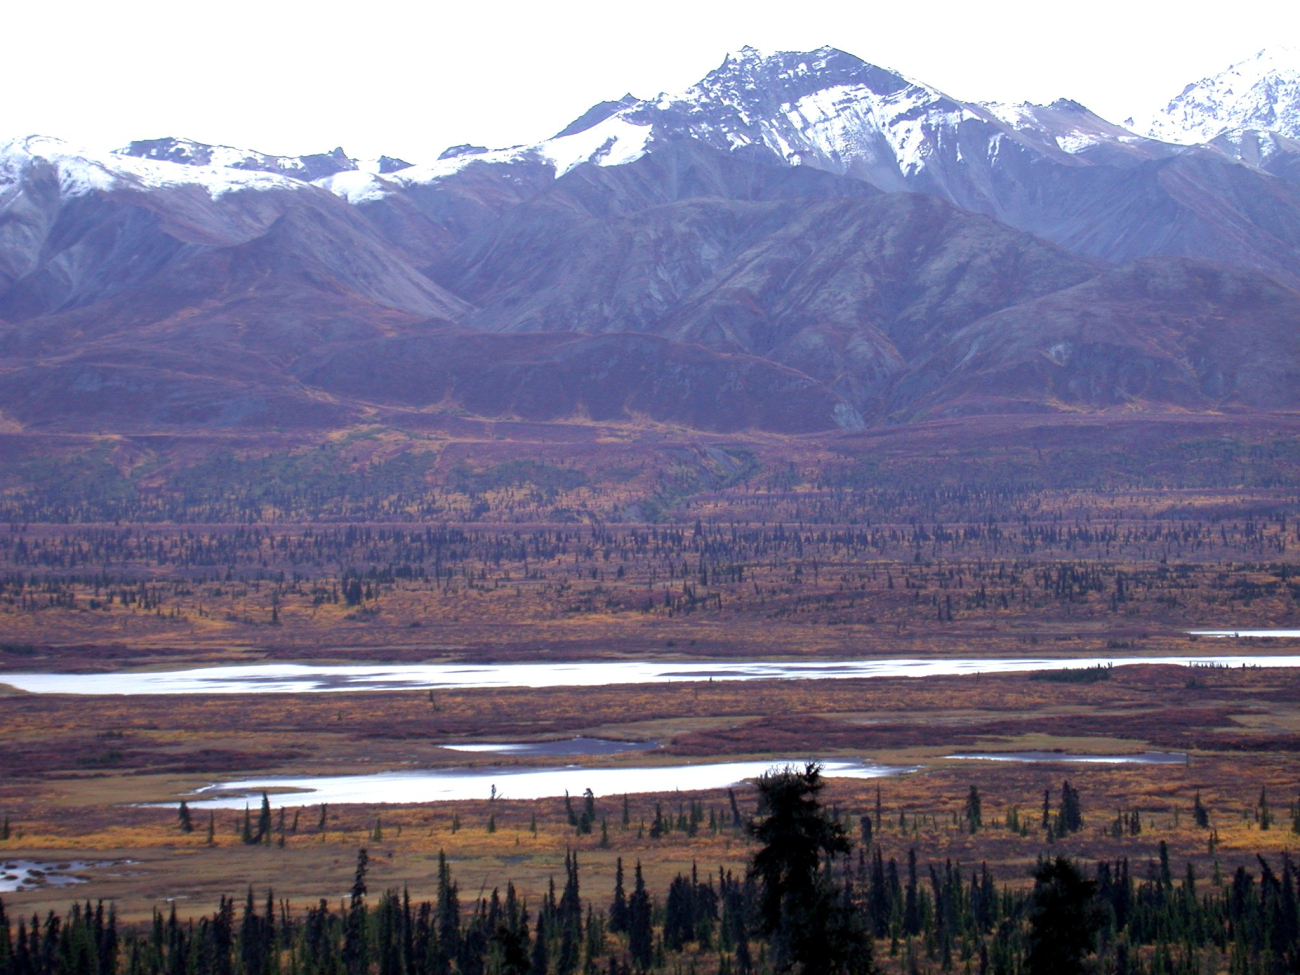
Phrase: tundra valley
[495,564]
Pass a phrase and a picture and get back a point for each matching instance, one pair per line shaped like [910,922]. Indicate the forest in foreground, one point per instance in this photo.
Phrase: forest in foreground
[812,899]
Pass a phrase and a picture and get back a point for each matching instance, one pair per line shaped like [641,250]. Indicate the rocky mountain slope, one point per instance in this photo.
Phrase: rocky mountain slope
[1057,171]
[1260,93]
[799,242]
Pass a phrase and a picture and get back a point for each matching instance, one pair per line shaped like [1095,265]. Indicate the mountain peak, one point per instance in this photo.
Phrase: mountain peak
[188,152]
[745,53]
[597,114]
[1260,92]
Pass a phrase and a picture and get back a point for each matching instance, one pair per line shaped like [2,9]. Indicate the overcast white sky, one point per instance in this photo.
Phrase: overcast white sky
[409,79]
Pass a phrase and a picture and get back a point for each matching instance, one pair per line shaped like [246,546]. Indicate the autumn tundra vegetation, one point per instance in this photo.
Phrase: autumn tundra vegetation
[1172,853]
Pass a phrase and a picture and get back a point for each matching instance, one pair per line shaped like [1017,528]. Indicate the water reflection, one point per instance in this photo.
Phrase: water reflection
[309,678]
[18,875]
[555,749]
[1250,634]
[438,785]
[1145,758]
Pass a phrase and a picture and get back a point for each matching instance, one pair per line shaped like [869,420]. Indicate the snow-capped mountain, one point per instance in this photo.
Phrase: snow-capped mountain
[835,111]
[79,171]
[1262,93]
[824,108]
[1267,151]
[1058,170]
[733,255]
[191,153]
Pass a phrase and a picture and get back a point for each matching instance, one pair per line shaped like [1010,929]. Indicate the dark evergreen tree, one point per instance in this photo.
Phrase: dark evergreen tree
[263,834]
[802,908]
[356,949]
[973,812]
[1070,816]
[640,933]
[864,831]
[588,818]
[569,919]
[618,910]
[448,925]
[540,963]
[1200,814]
[1064,918]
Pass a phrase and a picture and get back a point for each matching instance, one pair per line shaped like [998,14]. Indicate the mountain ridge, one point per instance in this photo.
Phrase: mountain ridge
[801,242]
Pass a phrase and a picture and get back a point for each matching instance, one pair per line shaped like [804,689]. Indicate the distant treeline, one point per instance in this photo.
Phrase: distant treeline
[931,569]
[343,481]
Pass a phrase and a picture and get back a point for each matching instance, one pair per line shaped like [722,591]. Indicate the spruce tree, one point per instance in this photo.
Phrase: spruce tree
[183,816]
[640,934]
[541,957]
[1199,813]
[356,950]
[802,908]
[448,914]
[1069,817]
[618,916]
[264,822]
[973,811]
[1064,917]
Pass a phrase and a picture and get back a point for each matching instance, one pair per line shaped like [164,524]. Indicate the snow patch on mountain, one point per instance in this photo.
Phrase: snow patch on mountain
[611,142]
[357,187]
[81,171]
[190,153]
[1064,125]
[1262,92]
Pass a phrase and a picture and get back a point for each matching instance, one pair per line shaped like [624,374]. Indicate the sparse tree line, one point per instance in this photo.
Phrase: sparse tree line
[719,542]
[334,483]
[834,574]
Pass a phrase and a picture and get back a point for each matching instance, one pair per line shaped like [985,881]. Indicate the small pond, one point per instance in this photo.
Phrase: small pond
[435,785]
[19,875]
[555,749]
[1144,758]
